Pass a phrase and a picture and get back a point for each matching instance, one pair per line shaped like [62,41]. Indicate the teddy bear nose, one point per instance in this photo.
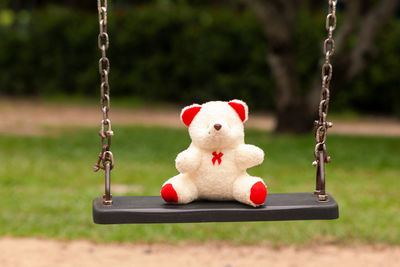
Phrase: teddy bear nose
[217,126]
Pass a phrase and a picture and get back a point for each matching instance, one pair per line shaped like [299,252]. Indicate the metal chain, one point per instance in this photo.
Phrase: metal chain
[106,159]
[321,125]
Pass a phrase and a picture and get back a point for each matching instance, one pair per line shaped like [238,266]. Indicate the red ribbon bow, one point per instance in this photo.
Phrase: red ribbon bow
[217,157]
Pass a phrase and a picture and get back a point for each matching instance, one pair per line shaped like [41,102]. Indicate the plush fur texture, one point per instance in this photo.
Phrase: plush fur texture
[214,166]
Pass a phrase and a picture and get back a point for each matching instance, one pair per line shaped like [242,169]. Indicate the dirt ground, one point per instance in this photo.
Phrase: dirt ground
[21,252]
[33,118]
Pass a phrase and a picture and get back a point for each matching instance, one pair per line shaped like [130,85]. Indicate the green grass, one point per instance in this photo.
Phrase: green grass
[47,186]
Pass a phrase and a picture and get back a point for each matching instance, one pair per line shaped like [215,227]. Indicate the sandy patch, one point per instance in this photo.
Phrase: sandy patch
[20,252]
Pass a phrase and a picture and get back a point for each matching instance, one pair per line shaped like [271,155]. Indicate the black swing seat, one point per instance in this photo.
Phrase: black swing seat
[152,209]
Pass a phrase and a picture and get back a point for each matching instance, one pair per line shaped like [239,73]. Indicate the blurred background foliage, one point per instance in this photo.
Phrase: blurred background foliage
[175,51]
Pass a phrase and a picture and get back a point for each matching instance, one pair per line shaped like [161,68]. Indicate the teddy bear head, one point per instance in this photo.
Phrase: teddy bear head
[216,124]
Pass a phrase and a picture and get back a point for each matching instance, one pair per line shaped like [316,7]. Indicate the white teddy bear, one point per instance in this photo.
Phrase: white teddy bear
[214,166]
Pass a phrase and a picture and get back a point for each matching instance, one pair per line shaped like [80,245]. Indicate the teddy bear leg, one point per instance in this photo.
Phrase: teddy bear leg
[250,190]
[179,189]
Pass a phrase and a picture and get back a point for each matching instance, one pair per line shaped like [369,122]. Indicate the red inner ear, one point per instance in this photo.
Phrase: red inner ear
[239,108]
[189,114]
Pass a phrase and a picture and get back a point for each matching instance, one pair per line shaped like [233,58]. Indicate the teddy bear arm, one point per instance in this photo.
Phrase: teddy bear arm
[188,161]
[248,156]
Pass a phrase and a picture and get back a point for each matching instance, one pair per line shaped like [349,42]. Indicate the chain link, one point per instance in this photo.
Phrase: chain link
[321,125]
[106,132]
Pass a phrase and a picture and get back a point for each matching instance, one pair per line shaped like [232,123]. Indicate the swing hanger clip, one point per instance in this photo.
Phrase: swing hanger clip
[321,157]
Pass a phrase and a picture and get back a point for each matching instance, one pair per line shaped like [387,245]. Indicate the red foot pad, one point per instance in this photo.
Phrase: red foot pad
[169,194]
[258,193]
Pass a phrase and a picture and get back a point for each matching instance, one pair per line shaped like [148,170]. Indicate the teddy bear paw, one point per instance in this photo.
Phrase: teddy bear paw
[258,193]
[169,194]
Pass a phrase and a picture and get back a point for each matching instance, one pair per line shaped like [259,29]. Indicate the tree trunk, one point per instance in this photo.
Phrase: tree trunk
[294,119]
[292,113]
[278,18]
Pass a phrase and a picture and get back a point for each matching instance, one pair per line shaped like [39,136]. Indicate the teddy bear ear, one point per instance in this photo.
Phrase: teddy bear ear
[188,113]
[241,109]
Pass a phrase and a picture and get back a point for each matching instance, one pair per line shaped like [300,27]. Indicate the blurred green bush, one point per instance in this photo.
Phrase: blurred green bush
[177,53]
